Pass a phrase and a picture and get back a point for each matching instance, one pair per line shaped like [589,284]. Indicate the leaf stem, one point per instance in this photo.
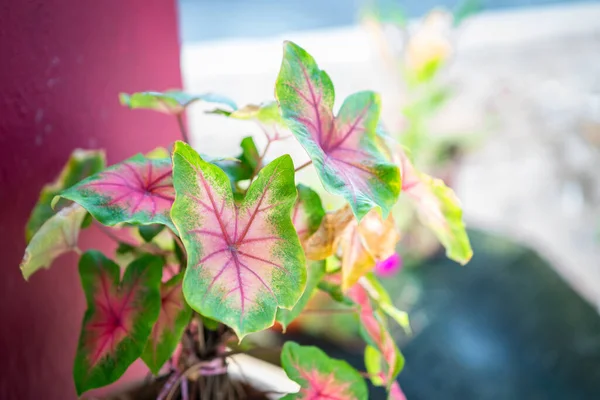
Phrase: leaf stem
[182,128]
[260,160]
[330,310]
[111,235]
[306,164]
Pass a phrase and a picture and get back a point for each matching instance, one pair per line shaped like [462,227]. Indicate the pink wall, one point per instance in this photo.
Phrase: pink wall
[62,64]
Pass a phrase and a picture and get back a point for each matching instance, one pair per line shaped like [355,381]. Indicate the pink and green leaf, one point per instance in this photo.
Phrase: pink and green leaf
[382,299]
[244,260]
[173,318]
[374,331]
[319,376]
[439,209]
[343,148]
[57,236]
[81,164]
[308,212]
[138,190]
[316,271]
[119,317]
[171,101]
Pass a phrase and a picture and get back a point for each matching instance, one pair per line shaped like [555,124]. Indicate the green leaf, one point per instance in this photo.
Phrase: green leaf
[373,363]
[149,232]
[119,317]
[316,271]
[171,101]
[244,260]
[240,168]
[138,190]
[308,212]
[266,115]
[167,331]
[57,236]
[81,164]
[319,376]
[342,148]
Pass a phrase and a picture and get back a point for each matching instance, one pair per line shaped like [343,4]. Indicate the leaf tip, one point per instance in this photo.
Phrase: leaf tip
[125,99]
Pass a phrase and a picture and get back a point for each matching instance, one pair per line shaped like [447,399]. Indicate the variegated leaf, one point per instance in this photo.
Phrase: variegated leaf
[319,376]
[244,260]
[437,205]
[342,148]
[119,317]
[374,330]
[173,318]
[138,190]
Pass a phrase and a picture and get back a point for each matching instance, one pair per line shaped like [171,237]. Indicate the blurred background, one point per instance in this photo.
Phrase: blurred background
[501,99]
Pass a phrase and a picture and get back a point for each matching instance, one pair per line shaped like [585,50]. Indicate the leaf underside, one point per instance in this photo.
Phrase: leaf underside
[319,376]
[138,190]
[81,164]
[342,148]
[57,236]
[119,317]
[267,116]
[170,101]
[244,260]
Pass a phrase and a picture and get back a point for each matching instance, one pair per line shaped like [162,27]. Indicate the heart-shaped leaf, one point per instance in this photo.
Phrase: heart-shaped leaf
[171,101]
[374,330]
[308,212]
[81,164]
[319,376]
[138,190]
[342,148]
[172,320]
[316,271]
[244,260]
[58,235]
[119,317]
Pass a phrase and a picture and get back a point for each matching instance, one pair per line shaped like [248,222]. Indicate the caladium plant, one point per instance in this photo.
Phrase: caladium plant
[229,246]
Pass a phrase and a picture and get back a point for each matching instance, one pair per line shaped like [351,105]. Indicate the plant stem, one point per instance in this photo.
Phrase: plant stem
[260,160]
[111,235]
[330,310]
[306,164]
[182,128]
